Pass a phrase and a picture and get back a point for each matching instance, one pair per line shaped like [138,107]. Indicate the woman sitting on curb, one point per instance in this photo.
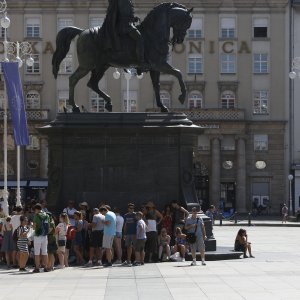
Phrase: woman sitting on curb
[241,243]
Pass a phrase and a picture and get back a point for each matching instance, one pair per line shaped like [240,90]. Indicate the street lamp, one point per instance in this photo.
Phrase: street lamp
[17,52]
[128,75]
[290,178]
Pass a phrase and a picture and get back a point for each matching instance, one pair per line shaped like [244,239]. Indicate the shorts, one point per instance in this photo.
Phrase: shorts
[199,245]
[96,239]
[118,235]
[140,245]
[107,241]
[68,244]
[130,240]
[40,244]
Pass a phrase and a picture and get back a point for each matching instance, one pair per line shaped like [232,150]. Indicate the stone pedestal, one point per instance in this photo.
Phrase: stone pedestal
[118,158]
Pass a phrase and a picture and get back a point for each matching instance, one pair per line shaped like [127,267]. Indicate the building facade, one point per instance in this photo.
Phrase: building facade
[232,62]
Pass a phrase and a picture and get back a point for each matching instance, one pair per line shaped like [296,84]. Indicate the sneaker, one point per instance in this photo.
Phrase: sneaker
[252,256]
[129,264]
[136,263]
[36,271]
[89,264]
[22,270]
[142,263]
[203,263]
[46,270]
[118,262]
[245,256]
[125,263]
[194,263]
[107,265]
[99,263]
[183,259]
[60,267]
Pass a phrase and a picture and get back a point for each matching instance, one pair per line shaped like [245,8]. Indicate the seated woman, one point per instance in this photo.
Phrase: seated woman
[164,244]
[241,243]
[180,241]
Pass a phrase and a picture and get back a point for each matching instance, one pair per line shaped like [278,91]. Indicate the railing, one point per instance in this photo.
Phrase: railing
[209,114]
[32,114]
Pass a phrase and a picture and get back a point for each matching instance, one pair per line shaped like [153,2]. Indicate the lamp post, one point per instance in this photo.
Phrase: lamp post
[290,178]
[128,75]
[16,52]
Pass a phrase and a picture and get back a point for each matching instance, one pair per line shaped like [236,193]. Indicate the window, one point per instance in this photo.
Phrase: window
[63,101]
[260,142]
[228,143]
[260,27]
[227,28]
[33,100]
[132,107]
[260,102]
[195,100]
[35,69]
[66,66]
[228,99]
[165,98]
[34,143]
[195,64]
[64,22]
[228,62]
[33,27]
[195,31]
[96,22]
[96,103]
[260,63]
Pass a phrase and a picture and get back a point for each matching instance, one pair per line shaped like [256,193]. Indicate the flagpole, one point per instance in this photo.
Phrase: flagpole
[9,48]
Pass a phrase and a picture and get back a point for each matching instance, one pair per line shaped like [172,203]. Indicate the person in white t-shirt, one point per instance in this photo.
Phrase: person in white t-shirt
[118,236]
[70,210]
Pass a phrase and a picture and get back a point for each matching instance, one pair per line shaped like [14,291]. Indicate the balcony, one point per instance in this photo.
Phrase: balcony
[32,114]
[209,114]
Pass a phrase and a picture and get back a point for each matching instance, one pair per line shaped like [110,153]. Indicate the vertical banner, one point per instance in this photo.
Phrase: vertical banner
[16,102]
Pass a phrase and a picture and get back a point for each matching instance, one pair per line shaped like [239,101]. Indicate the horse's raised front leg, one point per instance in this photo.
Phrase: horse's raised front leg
[155,75]
[167,69]
[73,79]
[93,84]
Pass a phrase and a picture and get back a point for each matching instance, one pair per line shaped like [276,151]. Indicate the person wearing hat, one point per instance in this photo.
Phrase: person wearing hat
[85,210]
[97,227]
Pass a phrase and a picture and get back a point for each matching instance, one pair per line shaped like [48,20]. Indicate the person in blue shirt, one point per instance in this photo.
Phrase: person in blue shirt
[108,233]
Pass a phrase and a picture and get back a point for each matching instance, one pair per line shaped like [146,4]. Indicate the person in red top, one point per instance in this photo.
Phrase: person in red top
[167,220]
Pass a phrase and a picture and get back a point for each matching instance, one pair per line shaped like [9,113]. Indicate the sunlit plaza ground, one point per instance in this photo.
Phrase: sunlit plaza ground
[273,274]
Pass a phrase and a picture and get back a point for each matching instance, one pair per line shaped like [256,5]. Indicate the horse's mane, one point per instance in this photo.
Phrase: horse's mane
[160,8]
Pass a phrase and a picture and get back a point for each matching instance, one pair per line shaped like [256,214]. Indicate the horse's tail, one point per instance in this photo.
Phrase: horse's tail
[63,42]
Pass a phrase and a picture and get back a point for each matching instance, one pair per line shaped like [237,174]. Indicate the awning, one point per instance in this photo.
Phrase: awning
[13,184]
[38,183]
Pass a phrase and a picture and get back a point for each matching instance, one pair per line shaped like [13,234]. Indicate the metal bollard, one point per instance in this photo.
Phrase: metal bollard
[249,219]
[235,218]
[221,219]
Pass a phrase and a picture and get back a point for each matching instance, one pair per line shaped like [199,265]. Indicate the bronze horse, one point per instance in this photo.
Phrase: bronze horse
[94,58]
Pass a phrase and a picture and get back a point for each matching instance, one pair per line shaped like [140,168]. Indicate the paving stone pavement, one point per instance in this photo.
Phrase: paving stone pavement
[273,274]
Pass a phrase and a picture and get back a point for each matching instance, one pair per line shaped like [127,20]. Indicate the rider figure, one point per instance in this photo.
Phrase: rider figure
[125,20]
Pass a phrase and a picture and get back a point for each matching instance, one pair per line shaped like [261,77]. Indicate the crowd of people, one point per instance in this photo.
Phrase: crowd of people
[100,236]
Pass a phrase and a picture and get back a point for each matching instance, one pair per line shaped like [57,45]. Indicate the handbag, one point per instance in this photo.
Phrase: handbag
[61,243]
[191,236]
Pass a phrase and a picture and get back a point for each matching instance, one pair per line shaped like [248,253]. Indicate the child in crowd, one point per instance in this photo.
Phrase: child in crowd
[180,241]
[22,243]
[140,239]
[164,244]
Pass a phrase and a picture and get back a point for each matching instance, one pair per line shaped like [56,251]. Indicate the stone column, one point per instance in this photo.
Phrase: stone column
[241,175]
[43,158]
[215,184]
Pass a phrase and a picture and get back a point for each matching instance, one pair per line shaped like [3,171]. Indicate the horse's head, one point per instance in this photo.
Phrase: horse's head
[180,21]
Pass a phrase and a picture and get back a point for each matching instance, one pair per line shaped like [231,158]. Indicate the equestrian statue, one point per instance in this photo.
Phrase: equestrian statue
[120,43]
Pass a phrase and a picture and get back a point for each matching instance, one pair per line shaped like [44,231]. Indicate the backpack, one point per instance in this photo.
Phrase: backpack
[16,235]
[71,233]
[44,230]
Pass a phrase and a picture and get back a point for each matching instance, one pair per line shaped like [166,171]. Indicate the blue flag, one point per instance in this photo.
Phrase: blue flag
[16,102]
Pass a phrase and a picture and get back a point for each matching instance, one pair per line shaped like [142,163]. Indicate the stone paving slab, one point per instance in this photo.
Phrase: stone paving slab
[273,274]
